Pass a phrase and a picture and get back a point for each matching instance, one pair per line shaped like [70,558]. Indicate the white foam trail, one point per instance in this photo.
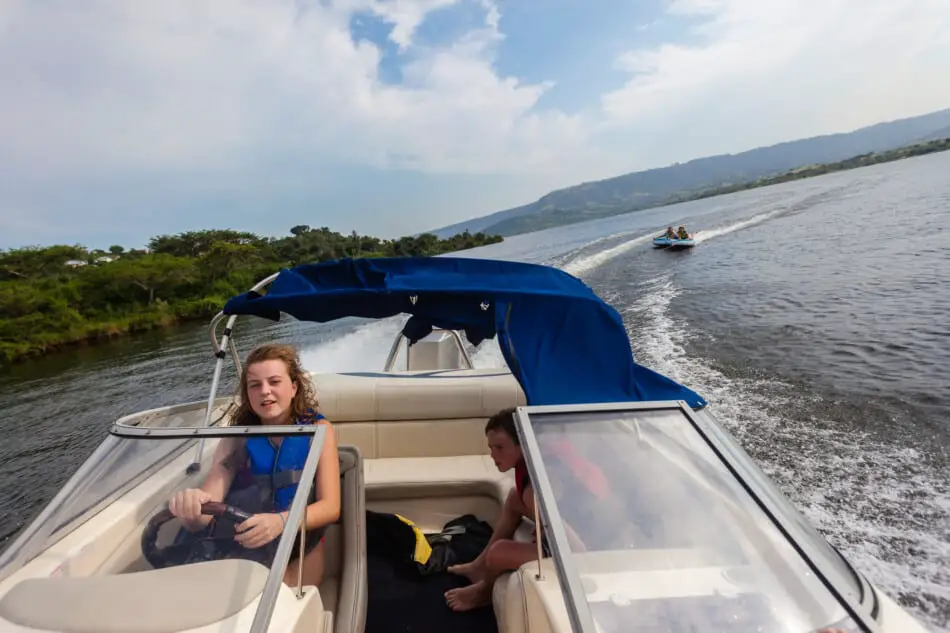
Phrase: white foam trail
[587,263]
[364,349]
[702,236]
[582,265]
[488,356]
[656,334]
[839,464]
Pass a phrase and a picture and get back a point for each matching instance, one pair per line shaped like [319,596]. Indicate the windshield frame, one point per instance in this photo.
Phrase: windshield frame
[12,558]
[108,449]
[296,515]
[578,608]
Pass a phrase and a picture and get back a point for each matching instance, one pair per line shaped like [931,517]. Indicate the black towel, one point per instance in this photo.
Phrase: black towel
[405,597]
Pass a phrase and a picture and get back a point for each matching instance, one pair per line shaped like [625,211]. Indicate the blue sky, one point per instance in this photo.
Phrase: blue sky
[121,121]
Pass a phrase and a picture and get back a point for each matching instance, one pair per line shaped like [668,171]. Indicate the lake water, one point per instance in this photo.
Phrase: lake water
[814,316]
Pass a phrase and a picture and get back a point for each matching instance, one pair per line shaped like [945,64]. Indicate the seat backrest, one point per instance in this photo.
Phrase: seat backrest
[416,414]
[346,546]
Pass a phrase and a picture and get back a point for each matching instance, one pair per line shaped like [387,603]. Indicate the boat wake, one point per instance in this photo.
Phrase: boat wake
[577,266]
[708,234]
[365,348]
[880,504]
[580,261]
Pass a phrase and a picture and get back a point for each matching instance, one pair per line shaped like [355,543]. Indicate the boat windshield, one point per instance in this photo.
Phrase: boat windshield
[651,530]
[110,525]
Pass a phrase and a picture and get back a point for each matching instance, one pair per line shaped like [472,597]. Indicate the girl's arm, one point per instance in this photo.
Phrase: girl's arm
[229,455]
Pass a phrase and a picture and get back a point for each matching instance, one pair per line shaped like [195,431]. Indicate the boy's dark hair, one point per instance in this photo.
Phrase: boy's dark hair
[504,420]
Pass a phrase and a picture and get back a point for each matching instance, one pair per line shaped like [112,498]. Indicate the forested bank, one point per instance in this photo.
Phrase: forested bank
[62,295]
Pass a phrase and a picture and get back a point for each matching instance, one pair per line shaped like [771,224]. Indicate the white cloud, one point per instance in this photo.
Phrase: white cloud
[174,84]
[761,72]
[406,16]
[215,92]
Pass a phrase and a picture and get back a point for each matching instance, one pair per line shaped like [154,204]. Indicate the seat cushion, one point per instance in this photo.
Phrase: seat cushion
[525,604]
[453,473]
[154,601]
[507,593]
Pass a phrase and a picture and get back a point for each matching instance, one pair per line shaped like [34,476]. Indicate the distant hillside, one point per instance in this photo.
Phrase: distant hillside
[655,187]
[936,136]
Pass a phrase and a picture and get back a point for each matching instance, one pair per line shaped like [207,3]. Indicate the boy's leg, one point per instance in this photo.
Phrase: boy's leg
[503,555]
[511,515]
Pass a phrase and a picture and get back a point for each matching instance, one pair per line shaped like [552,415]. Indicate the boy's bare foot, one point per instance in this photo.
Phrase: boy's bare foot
[470,597]
[473,572]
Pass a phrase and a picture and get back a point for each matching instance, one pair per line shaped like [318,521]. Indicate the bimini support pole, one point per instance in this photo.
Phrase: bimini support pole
[219,351]
[538,532]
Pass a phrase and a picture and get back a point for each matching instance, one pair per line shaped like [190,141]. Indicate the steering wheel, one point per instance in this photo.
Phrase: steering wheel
[182,552]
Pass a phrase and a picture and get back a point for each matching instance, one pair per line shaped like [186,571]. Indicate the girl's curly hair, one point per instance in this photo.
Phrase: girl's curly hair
[304,399]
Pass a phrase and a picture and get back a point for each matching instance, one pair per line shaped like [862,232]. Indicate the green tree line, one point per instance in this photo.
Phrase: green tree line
[61,295]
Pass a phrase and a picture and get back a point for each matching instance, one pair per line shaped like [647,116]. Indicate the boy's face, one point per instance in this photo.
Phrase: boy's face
[504,452]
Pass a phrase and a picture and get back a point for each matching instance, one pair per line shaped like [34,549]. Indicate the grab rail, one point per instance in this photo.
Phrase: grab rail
[219,353]
[394,350]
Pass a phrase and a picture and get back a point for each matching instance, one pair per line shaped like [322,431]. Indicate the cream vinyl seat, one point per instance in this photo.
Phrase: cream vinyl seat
[344,588]
[422,435]
[202,597]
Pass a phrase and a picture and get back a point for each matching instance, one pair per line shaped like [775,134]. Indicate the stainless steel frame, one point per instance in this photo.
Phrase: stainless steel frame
[122,430]
[295,517]
[578,611]
[577,607]
[394,350]
[71,488]
[226,341]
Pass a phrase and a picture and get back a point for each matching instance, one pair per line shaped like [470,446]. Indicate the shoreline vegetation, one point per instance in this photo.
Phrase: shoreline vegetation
[59,296]
[555,217]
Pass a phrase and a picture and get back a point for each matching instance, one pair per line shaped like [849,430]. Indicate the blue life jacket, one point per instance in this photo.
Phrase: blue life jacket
[277,469]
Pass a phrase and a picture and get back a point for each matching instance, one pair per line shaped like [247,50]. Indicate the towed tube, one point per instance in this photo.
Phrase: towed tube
[678,244]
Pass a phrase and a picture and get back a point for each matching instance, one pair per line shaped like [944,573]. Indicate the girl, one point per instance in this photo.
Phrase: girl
[274,391]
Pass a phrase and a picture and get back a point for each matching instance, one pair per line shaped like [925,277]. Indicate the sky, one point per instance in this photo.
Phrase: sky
[124,120]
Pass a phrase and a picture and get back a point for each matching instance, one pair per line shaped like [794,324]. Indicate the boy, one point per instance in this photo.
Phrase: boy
[502,553]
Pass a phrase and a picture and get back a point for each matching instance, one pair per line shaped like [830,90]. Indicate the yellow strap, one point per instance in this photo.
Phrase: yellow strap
[423,549]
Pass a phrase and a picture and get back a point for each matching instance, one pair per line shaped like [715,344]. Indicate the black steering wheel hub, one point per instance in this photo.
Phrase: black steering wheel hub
[193,547]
